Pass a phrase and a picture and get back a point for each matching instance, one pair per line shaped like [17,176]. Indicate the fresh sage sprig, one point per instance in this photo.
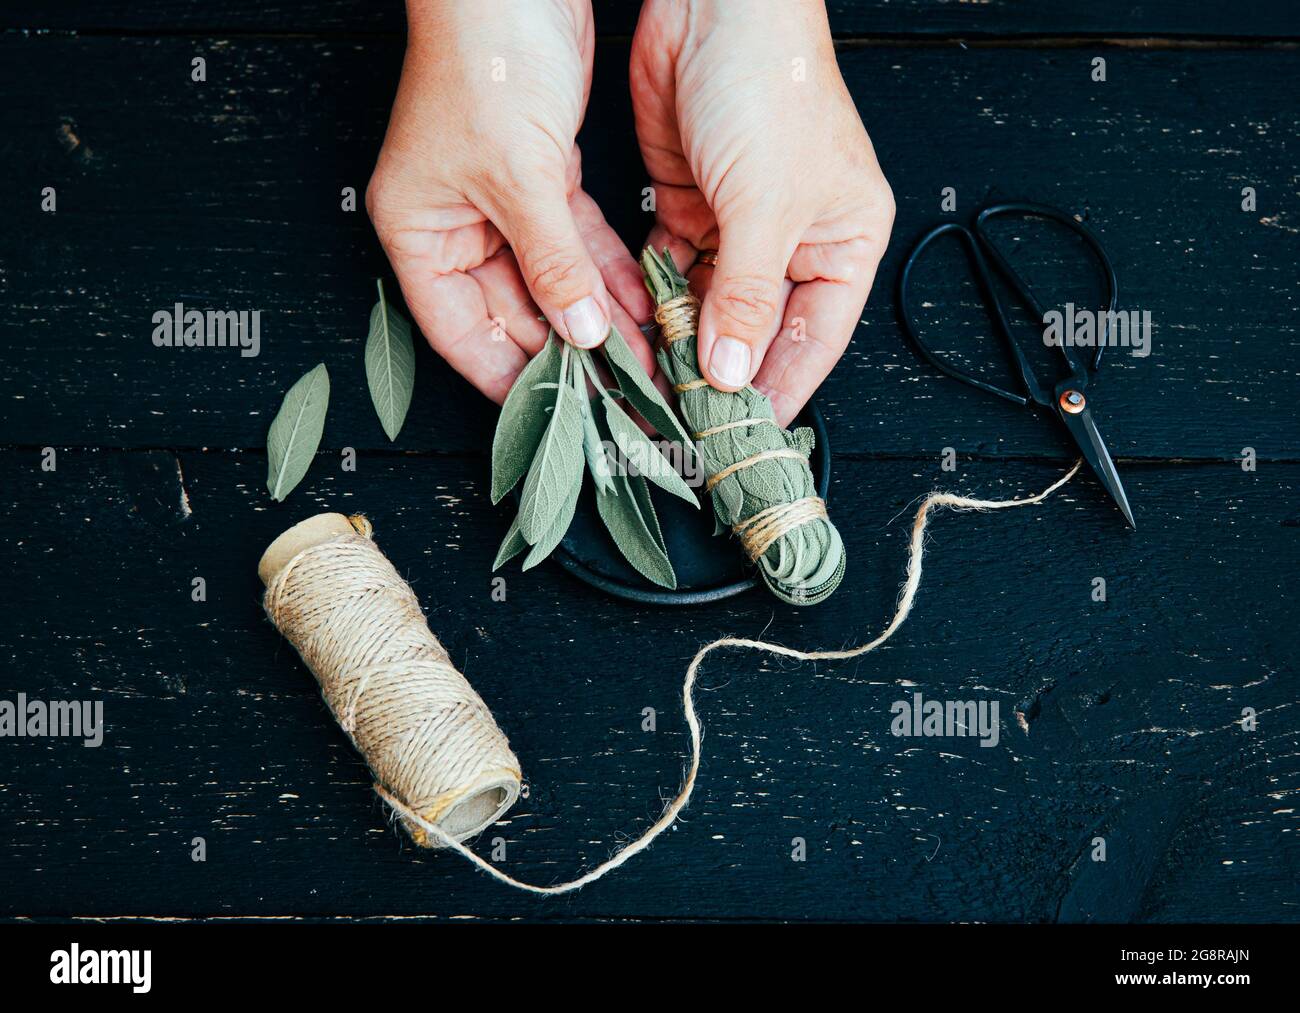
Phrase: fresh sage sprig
[549,427]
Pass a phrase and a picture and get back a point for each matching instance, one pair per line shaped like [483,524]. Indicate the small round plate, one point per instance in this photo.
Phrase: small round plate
[708,568]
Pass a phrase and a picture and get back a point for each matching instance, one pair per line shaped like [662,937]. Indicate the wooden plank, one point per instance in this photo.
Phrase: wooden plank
[215,729]
[226,195]
[849,18]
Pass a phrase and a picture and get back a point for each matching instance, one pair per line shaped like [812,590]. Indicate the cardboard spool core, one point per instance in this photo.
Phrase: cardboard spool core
[483,803]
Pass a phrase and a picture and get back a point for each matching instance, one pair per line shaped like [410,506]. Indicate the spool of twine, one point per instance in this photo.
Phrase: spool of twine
[429,739]
[439,759]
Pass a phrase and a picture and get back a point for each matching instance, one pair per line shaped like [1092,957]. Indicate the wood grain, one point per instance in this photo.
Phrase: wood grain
[226,195]
[216,730]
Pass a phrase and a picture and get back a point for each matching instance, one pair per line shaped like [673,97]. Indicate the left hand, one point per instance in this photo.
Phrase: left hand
[755,148]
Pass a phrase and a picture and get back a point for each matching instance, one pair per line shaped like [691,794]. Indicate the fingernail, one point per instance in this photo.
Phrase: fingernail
[729,361]
[586,323]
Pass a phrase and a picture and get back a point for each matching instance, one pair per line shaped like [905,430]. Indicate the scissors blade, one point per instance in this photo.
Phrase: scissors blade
[1085,434]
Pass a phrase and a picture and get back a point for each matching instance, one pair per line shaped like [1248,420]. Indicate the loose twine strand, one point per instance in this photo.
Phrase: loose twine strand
[907,595]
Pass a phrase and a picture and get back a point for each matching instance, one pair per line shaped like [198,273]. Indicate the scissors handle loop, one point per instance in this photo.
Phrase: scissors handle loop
[980,267]
[980,251]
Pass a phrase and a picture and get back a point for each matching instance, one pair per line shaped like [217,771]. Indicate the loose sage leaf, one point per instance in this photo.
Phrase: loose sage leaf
[557,468]
[547,543]
[511,545]
[637,535]
[296,431]
[638,449]
[390,364]
[640,390]
[523,418]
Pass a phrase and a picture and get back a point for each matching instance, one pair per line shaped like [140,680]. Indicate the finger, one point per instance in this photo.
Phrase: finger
[451,312]
[557,268]
[743,301]
[630,306]
[510,307]
[819,322]
[701,277]
[616,265]
[683,252]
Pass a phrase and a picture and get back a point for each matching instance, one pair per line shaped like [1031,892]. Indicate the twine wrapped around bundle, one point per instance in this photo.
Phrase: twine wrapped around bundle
[430,741]
[758,473]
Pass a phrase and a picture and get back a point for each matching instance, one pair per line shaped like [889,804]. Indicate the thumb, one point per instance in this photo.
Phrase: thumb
[741,309]
[556,266]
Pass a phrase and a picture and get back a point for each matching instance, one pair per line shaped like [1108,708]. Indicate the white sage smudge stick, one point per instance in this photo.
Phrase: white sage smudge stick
[757,472]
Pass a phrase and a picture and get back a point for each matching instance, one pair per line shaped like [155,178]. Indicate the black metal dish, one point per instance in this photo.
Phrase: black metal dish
[708,568]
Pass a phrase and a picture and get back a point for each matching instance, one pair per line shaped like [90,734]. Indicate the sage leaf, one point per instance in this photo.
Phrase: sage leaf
[557,466]
[296,431]
[390,364]
[555,533]
[523,418]
[641,490]
[597,460]
[511,545]
[638,450]
[802,439]
[593,442]
[640,390]
[636,534]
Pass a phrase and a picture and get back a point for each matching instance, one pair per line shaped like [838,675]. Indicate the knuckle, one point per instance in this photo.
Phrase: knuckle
[749,301]
[553,270]
[381,205]
[881,209]
[887,207]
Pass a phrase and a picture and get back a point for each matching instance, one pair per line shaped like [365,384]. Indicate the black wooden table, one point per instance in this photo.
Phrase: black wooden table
[1121,719]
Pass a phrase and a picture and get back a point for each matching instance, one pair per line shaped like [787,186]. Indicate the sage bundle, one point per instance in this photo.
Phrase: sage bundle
[549,427]
[757,472]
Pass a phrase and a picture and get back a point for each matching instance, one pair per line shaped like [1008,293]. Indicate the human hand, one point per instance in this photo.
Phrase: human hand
[772,168]
[477,198]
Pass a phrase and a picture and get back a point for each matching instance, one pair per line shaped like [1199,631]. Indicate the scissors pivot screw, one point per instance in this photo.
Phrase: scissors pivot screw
[1073,401]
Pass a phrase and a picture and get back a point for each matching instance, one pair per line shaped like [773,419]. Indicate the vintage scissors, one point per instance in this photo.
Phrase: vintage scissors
[1068,398]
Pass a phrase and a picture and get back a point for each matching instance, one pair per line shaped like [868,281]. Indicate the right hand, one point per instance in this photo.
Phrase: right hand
[772,168]
[476,196]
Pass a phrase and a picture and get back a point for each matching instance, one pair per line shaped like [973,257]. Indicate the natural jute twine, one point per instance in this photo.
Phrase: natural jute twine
[428,737]
[358,627]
